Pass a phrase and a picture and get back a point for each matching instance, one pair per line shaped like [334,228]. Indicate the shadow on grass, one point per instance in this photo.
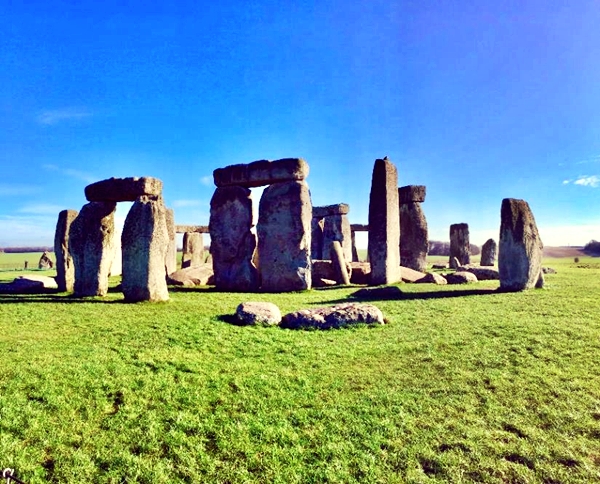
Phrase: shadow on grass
[56,298]
[230,319]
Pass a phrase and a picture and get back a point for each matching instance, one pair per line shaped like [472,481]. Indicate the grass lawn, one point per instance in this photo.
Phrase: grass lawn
[463,385]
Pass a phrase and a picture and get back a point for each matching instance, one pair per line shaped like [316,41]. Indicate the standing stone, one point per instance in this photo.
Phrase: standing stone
[171,254]
[337,228]
[414,239]
[316,238]
[232,243]
[65,270]
[384,224]
[145,241]
[459,245]
[284,229]
[193,250]
[520,248]
[339,263]
[45,261]
[488,253]
[91,242]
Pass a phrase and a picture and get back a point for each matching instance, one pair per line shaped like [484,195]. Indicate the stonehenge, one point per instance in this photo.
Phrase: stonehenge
[384,224]
[65,270]
[171,254]
[193,244]
[460,249]
[488,253]
[330,223]
[414,240]
[520,247]
[353,229]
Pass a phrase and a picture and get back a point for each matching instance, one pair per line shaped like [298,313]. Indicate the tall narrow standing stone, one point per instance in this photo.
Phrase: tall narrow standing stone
[91,242]
[520,248]
[145,241]
[384,224]
[459,245]
[171,254]
[232,243]
[193,250]
[65,269]
[488,253]
[337,228]
[414,240]
[316,238]
[284,230]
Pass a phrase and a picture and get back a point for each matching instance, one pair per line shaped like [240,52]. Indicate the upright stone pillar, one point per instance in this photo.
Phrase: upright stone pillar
[232,243]
[384,224]
[520,248]
[91,242]
[145,241]
[193,249]
[488,253]
[316,238]
[284,230]
[336,227]
[171,254]
[414,240]
[65,269]
[459,245]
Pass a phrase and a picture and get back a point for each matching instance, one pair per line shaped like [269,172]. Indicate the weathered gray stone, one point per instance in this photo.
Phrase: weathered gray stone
[284,230]
[339,263]
[183,229]
[202,275]
[324,269]
[33,282]
[482,273]
[316,238]
[263,172]
[330,210]
[258,313]
[171,254]
[414,239]
[123,189]
[193,250]
[384,224]
[361,273]
[385,292]
[45,261]
[488,253]
[460,277]
[410,275]
[548,270]
[459,245]
[359,227]
[411,194]
[145,240]
[337,228]
[333,317]
[65,270]
[520,248]
[232,243]
[432,278]
[92,246]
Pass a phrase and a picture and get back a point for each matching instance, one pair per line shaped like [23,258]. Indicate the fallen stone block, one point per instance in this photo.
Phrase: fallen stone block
[258,313]
[339,316]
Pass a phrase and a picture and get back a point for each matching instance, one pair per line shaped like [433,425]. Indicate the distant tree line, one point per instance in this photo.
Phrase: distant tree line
[20,250]
[592,247]
[443,248]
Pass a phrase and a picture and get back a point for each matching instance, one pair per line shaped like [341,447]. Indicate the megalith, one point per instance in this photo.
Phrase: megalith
[262,172]
[171,253]
[384,224]
[193,249]
[316,238]
[520,247]
[488,253]
[335,227]
[414,239]
[65,269]
[284,231]
[123,189]
[145,241]
[460,247]
[91,243]
[232,243]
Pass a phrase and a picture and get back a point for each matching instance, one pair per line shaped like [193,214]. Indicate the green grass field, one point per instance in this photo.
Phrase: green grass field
[463,385]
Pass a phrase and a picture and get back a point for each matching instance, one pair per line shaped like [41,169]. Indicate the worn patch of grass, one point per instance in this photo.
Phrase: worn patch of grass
[463,385]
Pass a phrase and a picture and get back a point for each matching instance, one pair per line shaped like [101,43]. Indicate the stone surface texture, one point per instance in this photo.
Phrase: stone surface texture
[145,241]
[92,246]
[384,224]
[284,231]
[123,189]
[339,263]
[410,275]
[411,194]
[258,313]
[333,317]
[361,273]
[171,254]
[433,278]
[414,238]
[45,261]
[201,275]
[193,250]
[381,293]
[488,253]
[260,173]
[330,210]
[482,273]
[316,238]
[337,228]
[459,245]
[232,243]
[201,229]
[520,248]
[65,269]
[460,277]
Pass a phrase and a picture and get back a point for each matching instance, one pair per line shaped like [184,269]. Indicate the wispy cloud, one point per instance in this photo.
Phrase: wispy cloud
[206,180]
[11,190]
[80,175]
[54,116]
[593,159]
[41,209]
[588,181]
[566,182]
[26,230]
[187,203]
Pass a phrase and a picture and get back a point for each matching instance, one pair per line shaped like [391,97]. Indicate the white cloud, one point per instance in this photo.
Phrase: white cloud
[566,182]
[10,190]
[588,181]
[41,209]
[55,116]
[187,203]
[78,174]
[206,180]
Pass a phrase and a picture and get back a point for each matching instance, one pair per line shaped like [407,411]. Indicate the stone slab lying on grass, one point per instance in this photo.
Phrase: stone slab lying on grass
[410,275]
[385,292]
[201,275]
[258,313]
[482,273]
[548,270]
[123,189]
[460,277]
[338,316]
[433,278]
[29,284]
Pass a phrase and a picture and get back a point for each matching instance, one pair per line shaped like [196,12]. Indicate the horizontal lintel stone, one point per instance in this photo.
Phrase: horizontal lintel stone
[262,172]
[187,229]
[411,193]
[329,210]
[359,227]
[123,189]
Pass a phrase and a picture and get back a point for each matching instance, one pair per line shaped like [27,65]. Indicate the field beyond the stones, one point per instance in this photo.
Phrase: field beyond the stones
[463,384]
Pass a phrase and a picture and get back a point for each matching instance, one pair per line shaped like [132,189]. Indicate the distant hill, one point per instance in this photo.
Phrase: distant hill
[563,252]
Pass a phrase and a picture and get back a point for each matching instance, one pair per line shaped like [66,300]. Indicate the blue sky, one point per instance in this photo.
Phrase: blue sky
[478,103]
